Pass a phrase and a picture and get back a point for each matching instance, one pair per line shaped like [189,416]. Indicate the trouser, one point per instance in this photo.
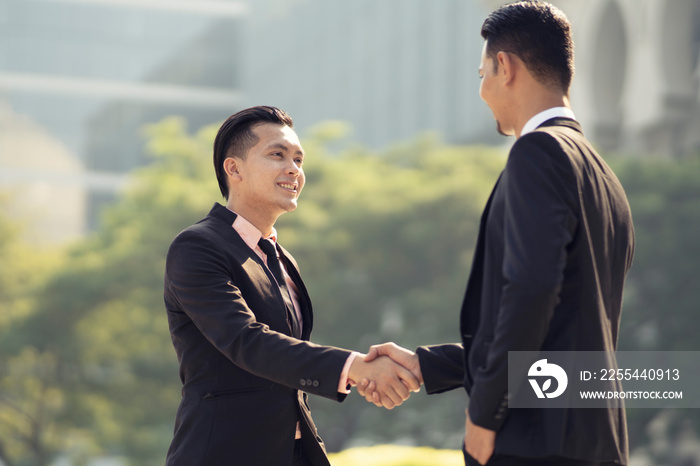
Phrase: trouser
[298,459]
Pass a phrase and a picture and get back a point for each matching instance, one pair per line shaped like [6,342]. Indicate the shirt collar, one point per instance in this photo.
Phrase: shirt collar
[548,114]
[249,232]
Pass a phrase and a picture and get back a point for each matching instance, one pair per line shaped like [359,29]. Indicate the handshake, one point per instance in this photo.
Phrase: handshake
[386,375]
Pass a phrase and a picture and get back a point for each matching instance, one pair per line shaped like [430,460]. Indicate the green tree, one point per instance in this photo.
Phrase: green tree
[97,327]
[661,295]
[661,291]
[28,398]
[384,241]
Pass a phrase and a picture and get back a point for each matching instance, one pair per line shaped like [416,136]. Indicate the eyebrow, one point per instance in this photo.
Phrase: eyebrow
[278,145]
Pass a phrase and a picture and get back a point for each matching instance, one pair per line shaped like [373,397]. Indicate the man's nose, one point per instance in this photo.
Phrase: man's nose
[294,168]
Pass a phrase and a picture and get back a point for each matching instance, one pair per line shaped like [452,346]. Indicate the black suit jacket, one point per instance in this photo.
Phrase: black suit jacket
[244,377]
[555,243]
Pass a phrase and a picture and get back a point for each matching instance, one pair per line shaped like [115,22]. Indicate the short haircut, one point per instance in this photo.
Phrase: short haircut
[236,137]
[539,34]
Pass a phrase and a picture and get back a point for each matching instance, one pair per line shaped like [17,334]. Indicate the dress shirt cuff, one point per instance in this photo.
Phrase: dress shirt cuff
[344,382]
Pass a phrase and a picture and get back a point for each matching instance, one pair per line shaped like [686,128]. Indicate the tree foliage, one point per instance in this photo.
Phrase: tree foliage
[661,295]
[661,291]
[96,335]
[384,241]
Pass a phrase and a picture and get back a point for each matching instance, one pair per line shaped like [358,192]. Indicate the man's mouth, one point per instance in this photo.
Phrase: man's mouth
[288,186]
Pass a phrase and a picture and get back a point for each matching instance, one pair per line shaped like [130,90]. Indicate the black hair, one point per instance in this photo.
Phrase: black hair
[539,34]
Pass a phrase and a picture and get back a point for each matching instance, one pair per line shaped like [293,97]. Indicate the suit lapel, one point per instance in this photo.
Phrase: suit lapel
[227,218]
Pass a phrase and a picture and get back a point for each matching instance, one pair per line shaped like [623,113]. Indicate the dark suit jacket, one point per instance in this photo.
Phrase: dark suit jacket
[555,243]
[244,377]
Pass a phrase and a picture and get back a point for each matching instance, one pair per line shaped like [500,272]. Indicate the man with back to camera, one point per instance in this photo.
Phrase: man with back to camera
[240,317]
[555,244]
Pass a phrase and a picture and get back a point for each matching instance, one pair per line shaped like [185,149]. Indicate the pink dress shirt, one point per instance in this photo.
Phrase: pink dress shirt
[251,236]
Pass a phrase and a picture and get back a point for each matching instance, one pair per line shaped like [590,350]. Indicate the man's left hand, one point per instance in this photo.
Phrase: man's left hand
[479,441]
[406,358]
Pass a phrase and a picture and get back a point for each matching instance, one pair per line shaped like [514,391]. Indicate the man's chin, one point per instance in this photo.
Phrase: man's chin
[500,130]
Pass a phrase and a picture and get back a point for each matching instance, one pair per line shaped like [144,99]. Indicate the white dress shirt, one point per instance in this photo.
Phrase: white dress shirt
[548,114]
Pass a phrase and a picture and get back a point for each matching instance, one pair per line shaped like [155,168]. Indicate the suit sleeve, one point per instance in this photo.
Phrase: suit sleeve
[198,283]
[442,367]
[540,220]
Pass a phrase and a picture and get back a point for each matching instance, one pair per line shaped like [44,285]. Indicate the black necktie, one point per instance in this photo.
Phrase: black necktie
[273,263]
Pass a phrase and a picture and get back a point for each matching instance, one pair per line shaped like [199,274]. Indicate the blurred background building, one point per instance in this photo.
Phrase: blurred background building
[636,85]
[392,69]
[88,74]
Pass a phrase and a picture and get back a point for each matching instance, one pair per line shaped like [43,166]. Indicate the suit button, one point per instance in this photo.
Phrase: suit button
[302,382]
[315,384]
[309,382]
[498,416]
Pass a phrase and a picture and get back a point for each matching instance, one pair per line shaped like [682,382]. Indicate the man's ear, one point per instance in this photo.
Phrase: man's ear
[507,66]
[231,168]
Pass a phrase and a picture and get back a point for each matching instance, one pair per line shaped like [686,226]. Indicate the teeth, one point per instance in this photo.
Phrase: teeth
[287,186]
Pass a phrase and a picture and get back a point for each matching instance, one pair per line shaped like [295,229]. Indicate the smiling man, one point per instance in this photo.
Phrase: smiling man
[240,317]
